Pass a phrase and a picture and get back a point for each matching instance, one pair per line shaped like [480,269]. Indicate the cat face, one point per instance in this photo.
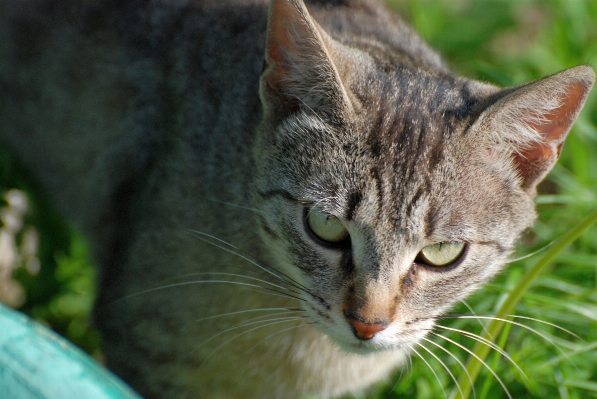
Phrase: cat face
[351,212]
[387,190]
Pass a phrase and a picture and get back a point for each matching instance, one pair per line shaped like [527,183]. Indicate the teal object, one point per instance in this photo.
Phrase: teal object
[36,363]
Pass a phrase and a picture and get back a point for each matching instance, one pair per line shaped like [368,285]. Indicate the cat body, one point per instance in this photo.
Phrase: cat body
[201,146]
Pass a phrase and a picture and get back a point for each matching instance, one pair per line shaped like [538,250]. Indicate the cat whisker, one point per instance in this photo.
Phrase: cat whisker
[547,323]
[407,369]
[286,311]
[530,255]
[247,273]
[243,276]
[257,318]
[277,332]
[242,271]
[470,309]
[268,323]
[410,365]
[273,292]
[269,270]
[264,323]
[487,342]
[185,283]
[430,368]
[442,364]
[235,205]
[470,352]
[534,331]
[245,324]
[182,276]
[538,333]
[213,238]
[459,362]
[248,311]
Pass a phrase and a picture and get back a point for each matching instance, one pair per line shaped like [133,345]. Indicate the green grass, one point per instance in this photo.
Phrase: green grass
[504,42]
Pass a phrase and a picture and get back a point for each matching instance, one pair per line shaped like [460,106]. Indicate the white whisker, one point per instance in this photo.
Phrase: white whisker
[213,238]
[276,274]
[406,369]
[547,323]
[430,368]
[245,324]
[273,322]
[487,342]
[444,366]
[470,309]
[247,311]
[235,205]
[245,277]
[532,253]
[277,332]
[523,326]
[272,292]
[163,287]
[286,311]
[459,362]
[470,352]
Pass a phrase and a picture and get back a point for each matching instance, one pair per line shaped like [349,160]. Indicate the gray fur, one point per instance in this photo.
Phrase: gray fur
[146,120]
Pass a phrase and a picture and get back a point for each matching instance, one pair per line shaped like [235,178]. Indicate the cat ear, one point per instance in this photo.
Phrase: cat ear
[298,69]
[531,121]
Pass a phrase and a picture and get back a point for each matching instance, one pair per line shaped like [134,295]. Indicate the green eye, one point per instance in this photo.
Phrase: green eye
[325,226]
[441,254]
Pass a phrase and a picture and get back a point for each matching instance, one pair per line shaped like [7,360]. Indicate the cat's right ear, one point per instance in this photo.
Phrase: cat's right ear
[298,67]
[529,123]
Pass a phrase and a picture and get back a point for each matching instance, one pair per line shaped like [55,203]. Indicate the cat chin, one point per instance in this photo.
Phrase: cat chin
[359,348]
[363,347]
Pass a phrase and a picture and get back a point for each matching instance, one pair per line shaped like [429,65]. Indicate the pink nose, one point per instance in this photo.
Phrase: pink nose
[365,331]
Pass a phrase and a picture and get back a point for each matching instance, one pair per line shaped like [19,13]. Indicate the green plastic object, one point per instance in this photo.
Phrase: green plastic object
[36,363]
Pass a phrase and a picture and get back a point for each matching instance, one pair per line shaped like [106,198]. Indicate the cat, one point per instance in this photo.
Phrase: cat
[282,197]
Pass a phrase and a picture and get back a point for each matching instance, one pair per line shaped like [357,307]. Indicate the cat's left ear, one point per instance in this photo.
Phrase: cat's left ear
[530,122]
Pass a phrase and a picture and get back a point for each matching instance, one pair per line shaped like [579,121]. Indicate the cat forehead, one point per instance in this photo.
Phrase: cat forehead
[392,124]
[433,101]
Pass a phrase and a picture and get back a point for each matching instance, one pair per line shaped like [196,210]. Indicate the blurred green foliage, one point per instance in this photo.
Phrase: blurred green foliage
[503,42]
[61,294]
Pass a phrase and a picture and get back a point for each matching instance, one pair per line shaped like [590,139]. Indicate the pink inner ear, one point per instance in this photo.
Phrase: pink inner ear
[539,156]
[283,16]
[278,34]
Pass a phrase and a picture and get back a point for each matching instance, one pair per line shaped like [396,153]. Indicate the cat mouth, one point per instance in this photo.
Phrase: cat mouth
[349,343]
[391,341]
[360,348]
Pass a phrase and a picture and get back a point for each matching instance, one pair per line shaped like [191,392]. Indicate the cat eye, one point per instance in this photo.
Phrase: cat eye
[441,254]
[326,227]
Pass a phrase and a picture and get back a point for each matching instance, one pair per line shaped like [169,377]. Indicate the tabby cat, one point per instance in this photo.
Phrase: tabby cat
[282,198]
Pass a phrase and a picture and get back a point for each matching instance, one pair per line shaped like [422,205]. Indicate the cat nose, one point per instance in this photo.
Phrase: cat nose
[365,331]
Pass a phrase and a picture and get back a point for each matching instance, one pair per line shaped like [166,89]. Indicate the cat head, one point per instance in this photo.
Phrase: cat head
[388,188]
